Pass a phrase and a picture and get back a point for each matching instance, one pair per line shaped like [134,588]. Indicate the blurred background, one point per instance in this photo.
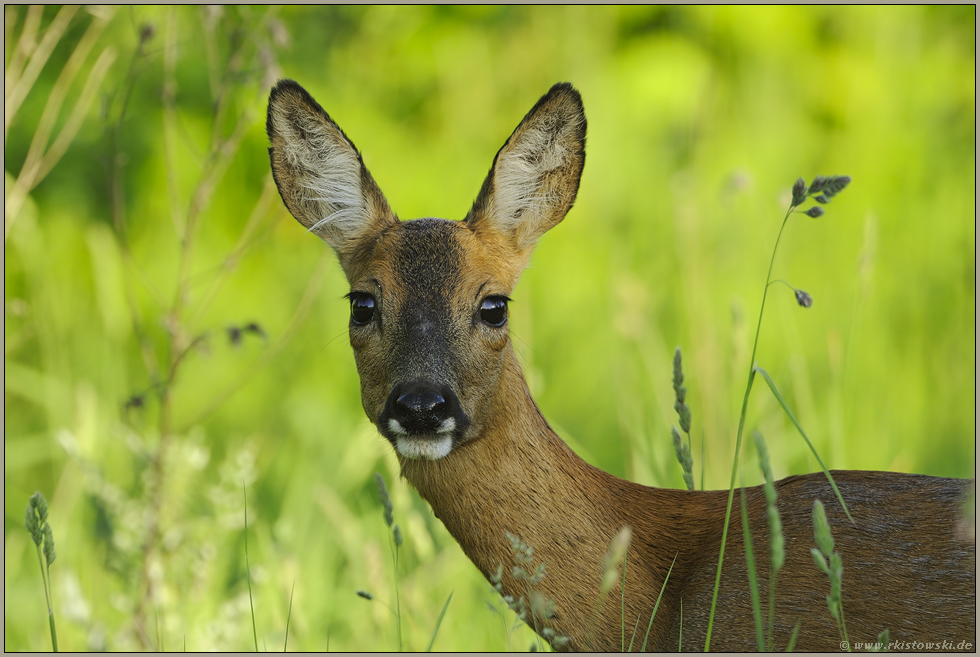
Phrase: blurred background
[174,342]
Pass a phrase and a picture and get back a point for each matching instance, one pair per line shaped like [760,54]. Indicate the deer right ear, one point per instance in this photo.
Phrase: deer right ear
[320,175]
[534,178]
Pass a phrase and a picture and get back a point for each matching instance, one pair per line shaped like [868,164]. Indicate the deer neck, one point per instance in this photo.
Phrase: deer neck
[517,473]
[520,478]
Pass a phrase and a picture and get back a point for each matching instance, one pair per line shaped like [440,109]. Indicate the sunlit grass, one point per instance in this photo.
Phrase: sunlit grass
[695,118]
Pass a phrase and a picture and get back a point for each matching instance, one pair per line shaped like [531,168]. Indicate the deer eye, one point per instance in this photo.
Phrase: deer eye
[493,311]
[361,308]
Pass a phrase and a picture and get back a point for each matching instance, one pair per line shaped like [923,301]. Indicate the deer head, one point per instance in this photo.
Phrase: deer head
[428,297]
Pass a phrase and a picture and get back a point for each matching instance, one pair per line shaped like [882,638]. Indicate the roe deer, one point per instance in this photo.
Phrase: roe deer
[439,379]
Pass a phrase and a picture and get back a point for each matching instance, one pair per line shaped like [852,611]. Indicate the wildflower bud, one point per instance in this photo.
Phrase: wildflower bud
[799,191]
[815,211]
[803,298]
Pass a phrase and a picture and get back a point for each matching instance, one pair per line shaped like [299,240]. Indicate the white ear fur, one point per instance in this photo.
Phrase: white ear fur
[319,172]
[535,176]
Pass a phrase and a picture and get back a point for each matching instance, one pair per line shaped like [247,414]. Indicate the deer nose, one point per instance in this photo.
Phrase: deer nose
[420,411]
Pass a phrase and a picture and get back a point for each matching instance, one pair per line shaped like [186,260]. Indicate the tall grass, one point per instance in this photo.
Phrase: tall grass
[141,431]
[821,190]
[36,521]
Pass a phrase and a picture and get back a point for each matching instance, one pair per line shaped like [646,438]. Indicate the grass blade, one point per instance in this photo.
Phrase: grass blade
[289,615]
[792,638]
[248,573]
[789,413]
[731,486]
[643,648]
[438,623]
[636,626]
[622,612]
[753,582]
[680,629]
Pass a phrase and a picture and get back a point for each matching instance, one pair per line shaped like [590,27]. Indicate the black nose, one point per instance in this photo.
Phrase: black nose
[420,411]
[422,408]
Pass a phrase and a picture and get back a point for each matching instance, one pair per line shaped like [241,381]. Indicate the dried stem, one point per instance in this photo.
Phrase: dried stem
[41,158]
[223,146]
[38,58]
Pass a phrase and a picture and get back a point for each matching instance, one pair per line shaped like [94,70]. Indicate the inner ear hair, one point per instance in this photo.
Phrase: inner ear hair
[320,173]
[535,176]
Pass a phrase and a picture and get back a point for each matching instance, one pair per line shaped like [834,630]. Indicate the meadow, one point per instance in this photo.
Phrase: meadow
[175,344]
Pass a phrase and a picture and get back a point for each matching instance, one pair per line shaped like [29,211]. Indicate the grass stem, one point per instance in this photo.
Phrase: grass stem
[248,575]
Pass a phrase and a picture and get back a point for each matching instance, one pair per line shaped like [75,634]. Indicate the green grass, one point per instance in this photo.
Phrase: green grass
[36,523]
[138,397]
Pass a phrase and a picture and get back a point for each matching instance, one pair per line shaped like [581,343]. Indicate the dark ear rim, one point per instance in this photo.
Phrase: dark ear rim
[285,87]
[557,89]
[288,93]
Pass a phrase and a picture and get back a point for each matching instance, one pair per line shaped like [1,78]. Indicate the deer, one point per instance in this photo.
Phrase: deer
[441,382]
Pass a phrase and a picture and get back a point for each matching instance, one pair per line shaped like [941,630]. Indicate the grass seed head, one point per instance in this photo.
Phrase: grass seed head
[614,556]
[49,553]
[680,394]
[821,529]
[684,457]
[385,499]
[803,298]
[36,519]
[799,191]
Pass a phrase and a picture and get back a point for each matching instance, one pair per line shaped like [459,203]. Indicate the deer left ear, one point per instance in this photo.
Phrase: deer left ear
[321,176]
[535,175]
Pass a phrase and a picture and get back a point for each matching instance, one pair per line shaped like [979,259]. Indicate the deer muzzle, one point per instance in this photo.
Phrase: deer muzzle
[423,420]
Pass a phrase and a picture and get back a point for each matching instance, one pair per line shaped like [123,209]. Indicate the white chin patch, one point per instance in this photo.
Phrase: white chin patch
[429,448]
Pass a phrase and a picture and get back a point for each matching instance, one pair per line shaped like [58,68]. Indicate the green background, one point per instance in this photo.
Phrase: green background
[128,405]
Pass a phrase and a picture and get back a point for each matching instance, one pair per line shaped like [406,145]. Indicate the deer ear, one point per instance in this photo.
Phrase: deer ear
[535,175]
[321,176]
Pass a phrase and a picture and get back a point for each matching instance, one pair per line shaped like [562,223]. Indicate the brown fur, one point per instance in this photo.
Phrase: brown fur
[905,566]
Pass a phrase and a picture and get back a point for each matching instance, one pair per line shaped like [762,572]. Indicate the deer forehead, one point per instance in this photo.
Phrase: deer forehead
[437,262]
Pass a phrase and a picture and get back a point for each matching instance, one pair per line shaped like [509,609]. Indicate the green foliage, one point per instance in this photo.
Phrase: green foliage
[825,187]
[169,331]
